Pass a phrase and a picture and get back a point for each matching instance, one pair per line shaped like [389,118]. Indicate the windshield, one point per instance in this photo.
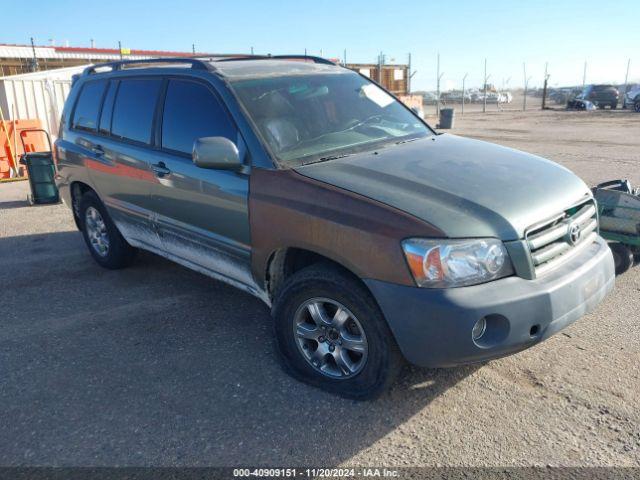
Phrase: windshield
[311,118]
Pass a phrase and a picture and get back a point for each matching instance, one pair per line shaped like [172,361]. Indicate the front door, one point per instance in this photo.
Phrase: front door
[201,214]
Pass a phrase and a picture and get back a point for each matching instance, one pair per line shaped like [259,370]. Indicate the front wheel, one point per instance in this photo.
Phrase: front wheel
[331,334]
[622,257]
[636,106]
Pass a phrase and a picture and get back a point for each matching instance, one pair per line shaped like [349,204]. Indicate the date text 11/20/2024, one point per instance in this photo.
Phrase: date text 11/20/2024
[315,472]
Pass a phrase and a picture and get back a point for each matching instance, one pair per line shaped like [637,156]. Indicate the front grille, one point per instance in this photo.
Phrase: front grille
[553,240]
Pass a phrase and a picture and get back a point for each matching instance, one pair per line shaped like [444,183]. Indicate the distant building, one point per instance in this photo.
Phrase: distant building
[17,59]
[394,78]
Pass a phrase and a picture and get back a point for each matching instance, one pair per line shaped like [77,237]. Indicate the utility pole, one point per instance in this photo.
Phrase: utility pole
[584,74]
[626,79]
[463,79]
[251,50]
[120,48]
[544,87]
[34,67]
[486,79]
[409,75]
[526,86]
[438,87]
[345,56]
[193,48]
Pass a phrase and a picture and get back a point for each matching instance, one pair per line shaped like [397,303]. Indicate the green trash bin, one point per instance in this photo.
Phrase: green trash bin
[41,171]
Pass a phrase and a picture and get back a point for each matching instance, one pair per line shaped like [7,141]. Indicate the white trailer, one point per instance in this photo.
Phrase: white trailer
[37,95]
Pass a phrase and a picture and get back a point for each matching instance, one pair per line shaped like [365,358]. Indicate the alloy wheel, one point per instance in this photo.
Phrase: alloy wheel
[97,231]
[330,338]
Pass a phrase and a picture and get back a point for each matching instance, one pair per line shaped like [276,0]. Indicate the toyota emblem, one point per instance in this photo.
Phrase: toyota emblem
[574,233]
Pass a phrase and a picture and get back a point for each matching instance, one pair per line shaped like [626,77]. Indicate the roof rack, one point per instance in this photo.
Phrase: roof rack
[195,63]
[313,58]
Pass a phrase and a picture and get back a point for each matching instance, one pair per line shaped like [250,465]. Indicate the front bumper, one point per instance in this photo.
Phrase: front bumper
[433,326]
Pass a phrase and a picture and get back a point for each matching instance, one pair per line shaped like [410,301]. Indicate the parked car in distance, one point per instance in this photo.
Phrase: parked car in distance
[600,95]
[371,238]
[631,98]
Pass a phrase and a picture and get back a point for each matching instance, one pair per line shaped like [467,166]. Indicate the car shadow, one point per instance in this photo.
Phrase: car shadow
[157,365]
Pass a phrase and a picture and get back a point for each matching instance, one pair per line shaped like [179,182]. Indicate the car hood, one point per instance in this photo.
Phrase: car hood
[464,187]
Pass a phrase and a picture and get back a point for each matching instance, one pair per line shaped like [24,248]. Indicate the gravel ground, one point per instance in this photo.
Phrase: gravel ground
[157,365]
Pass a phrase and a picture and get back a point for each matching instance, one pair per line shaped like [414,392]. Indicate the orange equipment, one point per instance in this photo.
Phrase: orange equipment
[11,148]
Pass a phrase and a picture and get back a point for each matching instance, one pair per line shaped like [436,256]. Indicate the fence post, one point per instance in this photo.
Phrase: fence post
[463,79]
[484,100]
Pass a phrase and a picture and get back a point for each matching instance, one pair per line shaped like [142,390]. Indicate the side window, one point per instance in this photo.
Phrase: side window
[192,111]
[134,109]
[107,108]
[85,115]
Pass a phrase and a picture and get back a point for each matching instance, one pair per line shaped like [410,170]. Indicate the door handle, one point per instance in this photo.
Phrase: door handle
[160,169]
[97,150]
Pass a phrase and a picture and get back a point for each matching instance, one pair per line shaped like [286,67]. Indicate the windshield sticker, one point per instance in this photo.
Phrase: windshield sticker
[376,95]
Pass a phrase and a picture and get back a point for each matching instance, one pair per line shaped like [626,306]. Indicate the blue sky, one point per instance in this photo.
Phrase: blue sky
[507,33]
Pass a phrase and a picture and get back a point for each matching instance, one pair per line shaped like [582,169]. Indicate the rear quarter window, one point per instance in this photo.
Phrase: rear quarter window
[85,114]
[134,109]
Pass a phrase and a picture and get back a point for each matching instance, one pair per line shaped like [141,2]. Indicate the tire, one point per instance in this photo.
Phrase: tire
[373,371]
[622,257]
[614,106]
[636,106]
[94,218]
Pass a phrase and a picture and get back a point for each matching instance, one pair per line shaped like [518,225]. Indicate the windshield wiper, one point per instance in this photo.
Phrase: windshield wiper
[408,140]
[327,158]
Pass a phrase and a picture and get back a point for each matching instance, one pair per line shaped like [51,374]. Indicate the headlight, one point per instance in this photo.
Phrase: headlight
[456,263]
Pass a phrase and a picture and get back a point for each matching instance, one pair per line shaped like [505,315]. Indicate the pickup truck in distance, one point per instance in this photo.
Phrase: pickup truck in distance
[373,239]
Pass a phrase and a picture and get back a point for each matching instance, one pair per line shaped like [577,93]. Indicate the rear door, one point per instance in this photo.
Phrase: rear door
[201,214]
[122,148]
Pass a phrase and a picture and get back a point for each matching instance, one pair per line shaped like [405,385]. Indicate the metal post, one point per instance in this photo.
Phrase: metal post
[438,88]
[626,79]
[484,100]
[524,101]
[584,74]
[345,56]
[120,48]
[34,67]
[463,79]
[251,50]
[409,75]
[193,48]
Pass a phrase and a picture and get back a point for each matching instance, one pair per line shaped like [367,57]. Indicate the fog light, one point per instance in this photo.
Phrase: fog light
[478,329]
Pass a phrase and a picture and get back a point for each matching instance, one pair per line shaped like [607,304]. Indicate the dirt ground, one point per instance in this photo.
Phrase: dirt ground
[157,365]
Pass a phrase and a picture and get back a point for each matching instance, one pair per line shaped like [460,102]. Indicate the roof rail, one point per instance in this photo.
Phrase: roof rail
[195,63]
[312,58]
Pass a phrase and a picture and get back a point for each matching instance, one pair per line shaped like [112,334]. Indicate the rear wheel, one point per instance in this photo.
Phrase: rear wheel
[331,334]
[614,106]
[636,106]
[106,245]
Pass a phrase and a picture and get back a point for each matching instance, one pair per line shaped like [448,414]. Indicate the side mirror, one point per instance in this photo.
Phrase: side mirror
[216,152]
